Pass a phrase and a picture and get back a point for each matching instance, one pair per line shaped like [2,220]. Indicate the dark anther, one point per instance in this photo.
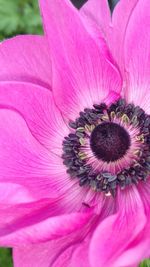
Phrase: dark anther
[100,107]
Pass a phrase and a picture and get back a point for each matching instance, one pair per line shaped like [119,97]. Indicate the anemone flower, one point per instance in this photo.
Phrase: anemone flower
[75,138]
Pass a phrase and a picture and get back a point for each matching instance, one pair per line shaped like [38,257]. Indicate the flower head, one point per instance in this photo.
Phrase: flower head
[75,138]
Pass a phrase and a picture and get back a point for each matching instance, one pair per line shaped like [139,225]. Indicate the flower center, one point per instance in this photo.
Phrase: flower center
[109,141]
[108,147]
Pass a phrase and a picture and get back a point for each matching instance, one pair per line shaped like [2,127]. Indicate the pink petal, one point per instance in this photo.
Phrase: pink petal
[71,250]
[11,193]
[36,105]
[144,237]
[82,75]
[116,233]
[29,256]
[38,222]
[98,12]
[42,255]
[80,256]
[144,190]
[140,251]
[129,42]
[111,97]
[137,56]
[23,160]
[25,58]
[116,35]
[50,254]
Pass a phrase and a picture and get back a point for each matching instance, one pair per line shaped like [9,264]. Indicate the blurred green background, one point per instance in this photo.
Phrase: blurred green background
[22,17]
[19,17]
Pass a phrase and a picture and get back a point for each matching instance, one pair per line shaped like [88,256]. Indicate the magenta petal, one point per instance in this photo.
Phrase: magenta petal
[23,160]
[25,58]
[129,43]
[98,12]
[120,18]
[56,253]
[117,232]
[137,56]
[82,75]
[29,256]
[36,105]
[144,190]
[11,193]
[41,255]
[111,98]
[138,252]
[80,255]
[38,222]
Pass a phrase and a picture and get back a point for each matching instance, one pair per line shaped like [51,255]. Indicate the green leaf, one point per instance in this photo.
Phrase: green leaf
[9,16]
[32,18]
[145,263]
[5,258]
[19,17]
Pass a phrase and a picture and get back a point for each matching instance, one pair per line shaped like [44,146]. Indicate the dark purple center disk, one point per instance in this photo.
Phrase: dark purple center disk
[109,141]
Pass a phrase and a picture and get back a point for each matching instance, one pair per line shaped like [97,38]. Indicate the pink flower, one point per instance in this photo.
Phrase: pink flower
[75,138]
